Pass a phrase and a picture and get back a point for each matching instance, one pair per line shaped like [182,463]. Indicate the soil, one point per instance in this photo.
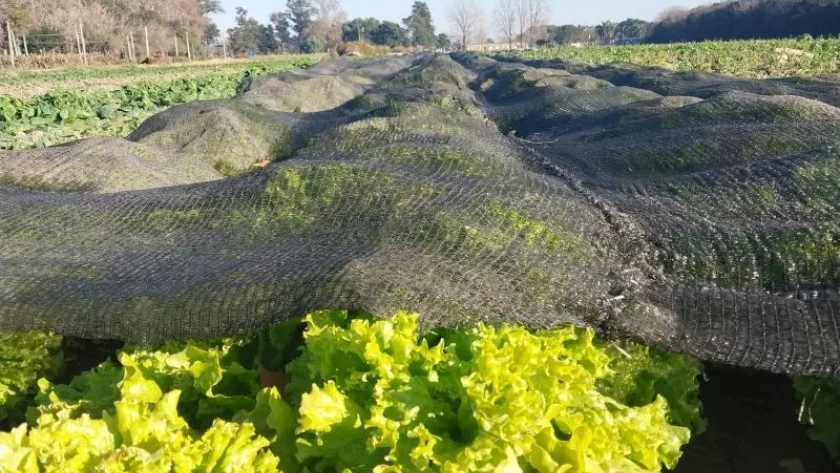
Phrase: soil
[82,355]
[753,427]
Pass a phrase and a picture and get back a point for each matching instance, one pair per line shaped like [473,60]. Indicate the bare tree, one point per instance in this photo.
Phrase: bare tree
[482,34]
[330,17]
[533,16]
[465,16]
[506,19]
[522,16]
[539,19]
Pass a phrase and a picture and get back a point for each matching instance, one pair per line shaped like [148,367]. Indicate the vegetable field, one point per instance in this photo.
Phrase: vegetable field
[39,109]
[339,391]
[765,58]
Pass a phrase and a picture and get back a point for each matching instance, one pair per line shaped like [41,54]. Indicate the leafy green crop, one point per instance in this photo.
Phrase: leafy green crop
[360,394]
[821,407]
[64,115]
[757,58]
[485,399]
[24,357]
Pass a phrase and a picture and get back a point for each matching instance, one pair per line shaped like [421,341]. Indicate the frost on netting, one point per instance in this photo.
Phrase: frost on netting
[693,212]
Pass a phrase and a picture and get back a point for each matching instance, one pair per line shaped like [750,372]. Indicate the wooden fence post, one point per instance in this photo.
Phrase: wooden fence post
[146,31]
[11,43]
[78,44]
[189,53]
[82,38]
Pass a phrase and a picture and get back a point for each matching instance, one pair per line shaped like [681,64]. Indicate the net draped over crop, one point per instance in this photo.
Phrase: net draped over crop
[693,212]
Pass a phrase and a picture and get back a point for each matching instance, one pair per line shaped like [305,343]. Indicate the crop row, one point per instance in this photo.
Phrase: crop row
[759,58]
[65,115]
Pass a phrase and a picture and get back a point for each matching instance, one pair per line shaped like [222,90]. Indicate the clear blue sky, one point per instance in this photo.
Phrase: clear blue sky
[563,11]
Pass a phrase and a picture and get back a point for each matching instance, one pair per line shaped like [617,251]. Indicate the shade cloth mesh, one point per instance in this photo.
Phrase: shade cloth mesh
[692,212]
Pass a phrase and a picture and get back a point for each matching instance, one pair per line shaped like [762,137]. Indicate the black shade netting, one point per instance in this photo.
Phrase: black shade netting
[692,212]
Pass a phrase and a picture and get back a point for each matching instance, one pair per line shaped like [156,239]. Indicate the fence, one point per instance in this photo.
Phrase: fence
[134,46]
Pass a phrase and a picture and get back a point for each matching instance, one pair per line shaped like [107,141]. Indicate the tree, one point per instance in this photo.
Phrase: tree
[672,15]
[532,17]
[442,41]
[211,33]
[267,42]
[748,19]
[300,13]
[632,28]
[390,34]
[106,22]
[246,35]
[419,25]
[314,44]
[567,34]
[282,30]
[606,31]
[505,18]
[329,18]
[211,6]
[358,28]
[466,18]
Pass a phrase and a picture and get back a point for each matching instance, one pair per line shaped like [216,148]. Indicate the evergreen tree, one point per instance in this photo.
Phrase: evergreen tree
[282,30]
[301,13]
[390,34]
[246,35]
[419,25]
[359,28]
[442,41]
[267,43]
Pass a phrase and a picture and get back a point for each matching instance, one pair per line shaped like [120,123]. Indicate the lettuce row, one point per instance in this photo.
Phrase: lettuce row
[371,398]
[366,395]
[24,358]
[142,433]
[133,417]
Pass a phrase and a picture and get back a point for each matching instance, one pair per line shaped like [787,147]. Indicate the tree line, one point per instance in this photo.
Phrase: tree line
[318,25]
[729,20]
[51,25]
[748,19]
[312,26]
[309,26]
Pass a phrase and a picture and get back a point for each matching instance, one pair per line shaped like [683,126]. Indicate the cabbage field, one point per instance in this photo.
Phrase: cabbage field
[759,59]
[44,108]
[341,391]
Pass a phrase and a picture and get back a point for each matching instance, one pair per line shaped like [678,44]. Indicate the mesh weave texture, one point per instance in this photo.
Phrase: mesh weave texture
[689,211]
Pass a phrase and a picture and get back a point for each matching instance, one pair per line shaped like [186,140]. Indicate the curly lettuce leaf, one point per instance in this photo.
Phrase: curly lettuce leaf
[24,358]
[639,374]
[373,396]
[143,432]
[275,420]
[368,395]
[212,385]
